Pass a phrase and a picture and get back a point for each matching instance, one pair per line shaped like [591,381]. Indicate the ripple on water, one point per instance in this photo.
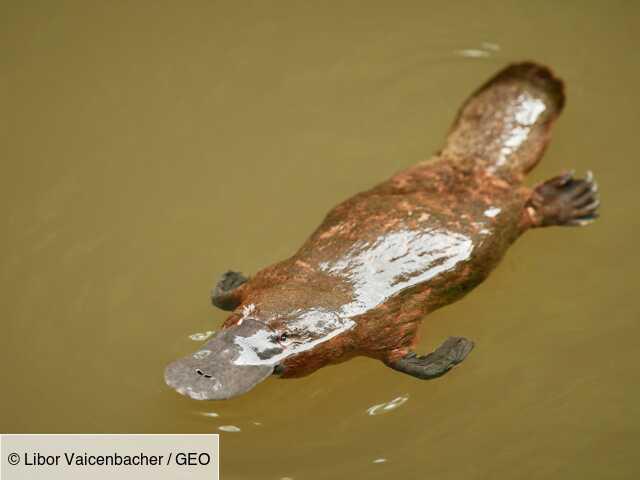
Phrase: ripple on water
[388,406]
[473,53]
[229,428]
[209,414]
[487,49]
[201,336]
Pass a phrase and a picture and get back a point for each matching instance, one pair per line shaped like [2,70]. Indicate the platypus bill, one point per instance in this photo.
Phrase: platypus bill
[385,258]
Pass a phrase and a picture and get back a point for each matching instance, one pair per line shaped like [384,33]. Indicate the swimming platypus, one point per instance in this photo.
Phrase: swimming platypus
[385,258]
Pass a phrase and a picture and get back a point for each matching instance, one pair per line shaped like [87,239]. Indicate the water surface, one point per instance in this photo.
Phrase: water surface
[148,146]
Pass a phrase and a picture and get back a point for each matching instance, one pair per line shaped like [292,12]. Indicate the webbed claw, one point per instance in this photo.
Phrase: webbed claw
[227,294]
[435,364]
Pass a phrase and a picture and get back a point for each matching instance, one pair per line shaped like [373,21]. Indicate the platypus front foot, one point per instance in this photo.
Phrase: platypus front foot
[435,364]
[227,293]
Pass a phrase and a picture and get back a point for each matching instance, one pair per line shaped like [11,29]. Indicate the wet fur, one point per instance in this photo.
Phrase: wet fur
[451,193]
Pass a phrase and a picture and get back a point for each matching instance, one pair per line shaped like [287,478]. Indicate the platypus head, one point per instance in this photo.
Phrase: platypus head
[253,347]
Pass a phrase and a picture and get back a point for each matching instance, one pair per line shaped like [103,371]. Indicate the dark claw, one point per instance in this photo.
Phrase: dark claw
[564,200]
[455,348]
[225,294]
[435,364]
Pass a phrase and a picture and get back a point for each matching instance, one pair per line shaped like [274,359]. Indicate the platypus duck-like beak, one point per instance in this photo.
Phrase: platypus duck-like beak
[234,361]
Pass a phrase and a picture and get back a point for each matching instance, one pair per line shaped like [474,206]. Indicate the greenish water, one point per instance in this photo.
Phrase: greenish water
[148,146]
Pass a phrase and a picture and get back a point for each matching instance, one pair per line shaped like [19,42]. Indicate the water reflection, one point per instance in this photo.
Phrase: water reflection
[473,53]
[201,337]
[388,406]
[396,261]
[519,122]
[209,414]
[486,49]
[229,428]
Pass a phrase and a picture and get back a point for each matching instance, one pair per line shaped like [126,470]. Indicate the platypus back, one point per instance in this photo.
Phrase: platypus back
[505,125]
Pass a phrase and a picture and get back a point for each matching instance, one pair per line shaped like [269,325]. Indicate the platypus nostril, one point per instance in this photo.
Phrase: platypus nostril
[202,374]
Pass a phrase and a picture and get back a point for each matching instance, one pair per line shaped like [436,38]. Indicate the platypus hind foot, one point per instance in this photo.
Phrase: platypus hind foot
[435,364]
[226,294]
[564,200]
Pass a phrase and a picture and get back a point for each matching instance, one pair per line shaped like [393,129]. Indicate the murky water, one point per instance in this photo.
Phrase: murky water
[147,147]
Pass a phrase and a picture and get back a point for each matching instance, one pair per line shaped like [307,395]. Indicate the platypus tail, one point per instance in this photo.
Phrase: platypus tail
[505,125]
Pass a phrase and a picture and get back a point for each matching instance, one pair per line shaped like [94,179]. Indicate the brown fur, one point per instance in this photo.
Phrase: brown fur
[420,240]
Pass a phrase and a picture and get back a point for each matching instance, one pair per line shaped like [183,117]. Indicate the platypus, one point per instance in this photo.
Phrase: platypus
[385,258]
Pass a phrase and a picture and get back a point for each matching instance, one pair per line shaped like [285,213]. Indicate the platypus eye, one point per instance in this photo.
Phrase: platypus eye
[282,337]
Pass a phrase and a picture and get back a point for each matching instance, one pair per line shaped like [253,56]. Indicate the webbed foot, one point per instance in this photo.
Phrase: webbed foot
[564,200]
[226,294]
[435,364]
